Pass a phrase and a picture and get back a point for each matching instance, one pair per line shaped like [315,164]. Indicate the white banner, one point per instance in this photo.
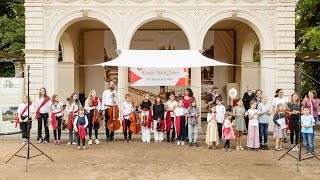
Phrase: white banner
[159,77]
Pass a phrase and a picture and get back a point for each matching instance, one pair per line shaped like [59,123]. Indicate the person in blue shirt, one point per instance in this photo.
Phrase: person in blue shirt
[307,123]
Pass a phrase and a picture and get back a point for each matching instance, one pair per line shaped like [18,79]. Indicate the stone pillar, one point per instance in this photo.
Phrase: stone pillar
[122,83]
[18,68]
[196,88]
[247,70]
[50,71]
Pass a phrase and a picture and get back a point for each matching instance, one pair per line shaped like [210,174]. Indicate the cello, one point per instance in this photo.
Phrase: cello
[113,112]
[135,126]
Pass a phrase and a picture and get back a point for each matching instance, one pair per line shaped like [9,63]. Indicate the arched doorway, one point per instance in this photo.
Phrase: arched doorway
[233,42]
[85,42]
[158,35]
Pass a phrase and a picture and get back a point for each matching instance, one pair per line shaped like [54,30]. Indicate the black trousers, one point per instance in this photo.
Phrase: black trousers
[109,134]
[127,130]
[183,131]
[43,118]
[91,126]
[59,121]
[227,144]
[173,135]
[220,130]
[25,128]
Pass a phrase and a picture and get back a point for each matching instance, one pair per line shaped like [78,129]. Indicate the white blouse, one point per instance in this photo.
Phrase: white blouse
[21,108]
[127,108]
[56,108]
[254,121]
[88,108]
[180,111]
[171,105]
[45,108]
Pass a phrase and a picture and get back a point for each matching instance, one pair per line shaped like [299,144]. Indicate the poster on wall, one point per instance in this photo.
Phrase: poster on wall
[159,77]
[11,92]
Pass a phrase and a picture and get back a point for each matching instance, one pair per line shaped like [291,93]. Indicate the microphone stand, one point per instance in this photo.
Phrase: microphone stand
[27,157]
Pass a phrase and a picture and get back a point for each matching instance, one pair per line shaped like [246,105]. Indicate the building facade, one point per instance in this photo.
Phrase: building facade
[57,28]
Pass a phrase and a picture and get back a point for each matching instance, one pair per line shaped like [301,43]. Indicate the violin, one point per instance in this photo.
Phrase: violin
[113,123]
[144,121]
[135,127]
[159,125]
[97,116]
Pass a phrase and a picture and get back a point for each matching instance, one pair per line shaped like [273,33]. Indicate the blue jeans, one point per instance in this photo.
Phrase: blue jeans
[263,132]
[193,127]
[308,141]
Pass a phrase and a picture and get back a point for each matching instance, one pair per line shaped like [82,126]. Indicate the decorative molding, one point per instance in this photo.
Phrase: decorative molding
[178,1]
[234,12]
[141,1]
[159,12]
[252,1]
[84,12]
[215,1]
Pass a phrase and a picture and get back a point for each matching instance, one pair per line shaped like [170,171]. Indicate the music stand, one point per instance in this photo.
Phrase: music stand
[300,144]
[27,157]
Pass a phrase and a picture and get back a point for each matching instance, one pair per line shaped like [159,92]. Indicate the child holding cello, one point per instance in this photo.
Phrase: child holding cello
[126,110]
[146,118]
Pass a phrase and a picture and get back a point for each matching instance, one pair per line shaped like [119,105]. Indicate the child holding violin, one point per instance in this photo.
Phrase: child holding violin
[146,118]
[126,110]
[158,120]
[92,106]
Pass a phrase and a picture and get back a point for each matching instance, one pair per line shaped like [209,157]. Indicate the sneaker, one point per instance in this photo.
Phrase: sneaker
[196,145]
[168,140]
[59,142]
[45,142]
[277,149]
[238,148]
[130,141]
[309,153]
[83,147]
[261,147]
[55,142]
[90,142]
[229,150]
[74,143]
[97,141]
[266,147]
[190,144]
[241,148]
[79,148]
[224,150]
[69,143]
[39,141]
[178,143]
[125,141]
[281,148]
[182,143]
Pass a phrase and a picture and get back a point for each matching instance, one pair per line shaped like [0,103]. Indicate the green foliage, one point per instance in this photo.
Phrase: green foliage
[12,32]
[313,70]
[6,69]
[308,39]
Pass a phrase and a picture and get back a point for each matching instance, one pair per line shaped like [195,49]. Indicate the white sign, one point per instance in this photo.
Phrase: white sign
[159,77]
[233,93]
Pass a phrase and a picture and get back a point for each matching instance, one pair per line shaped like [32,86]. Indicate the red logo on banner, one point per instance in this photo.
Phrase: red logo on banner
[134,77]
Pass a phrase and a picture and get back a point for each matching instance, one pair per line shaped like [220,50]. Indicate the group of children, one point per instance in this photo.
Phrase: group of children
[173,118]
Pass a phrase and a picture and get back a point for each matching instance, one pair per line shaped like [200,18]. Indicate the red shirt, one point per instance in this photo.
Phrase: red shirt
[186,102]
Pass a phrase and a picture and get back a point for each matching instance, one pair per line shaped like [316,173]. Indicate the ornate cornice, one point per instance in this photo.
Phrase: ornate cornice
[162,1]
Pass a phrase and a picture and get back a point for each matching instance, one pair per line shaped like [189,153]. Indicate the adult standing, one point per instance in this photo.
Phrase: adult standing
[186,99]
[247,97]
[109,99]
[279,99]
[313,103]
[213,96]
[258,98]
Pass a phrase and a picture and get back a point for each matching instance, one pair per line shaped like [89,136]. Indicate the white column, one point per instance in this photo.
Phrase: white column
[122,83]
[196,88]
[50,71]
[268,73]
